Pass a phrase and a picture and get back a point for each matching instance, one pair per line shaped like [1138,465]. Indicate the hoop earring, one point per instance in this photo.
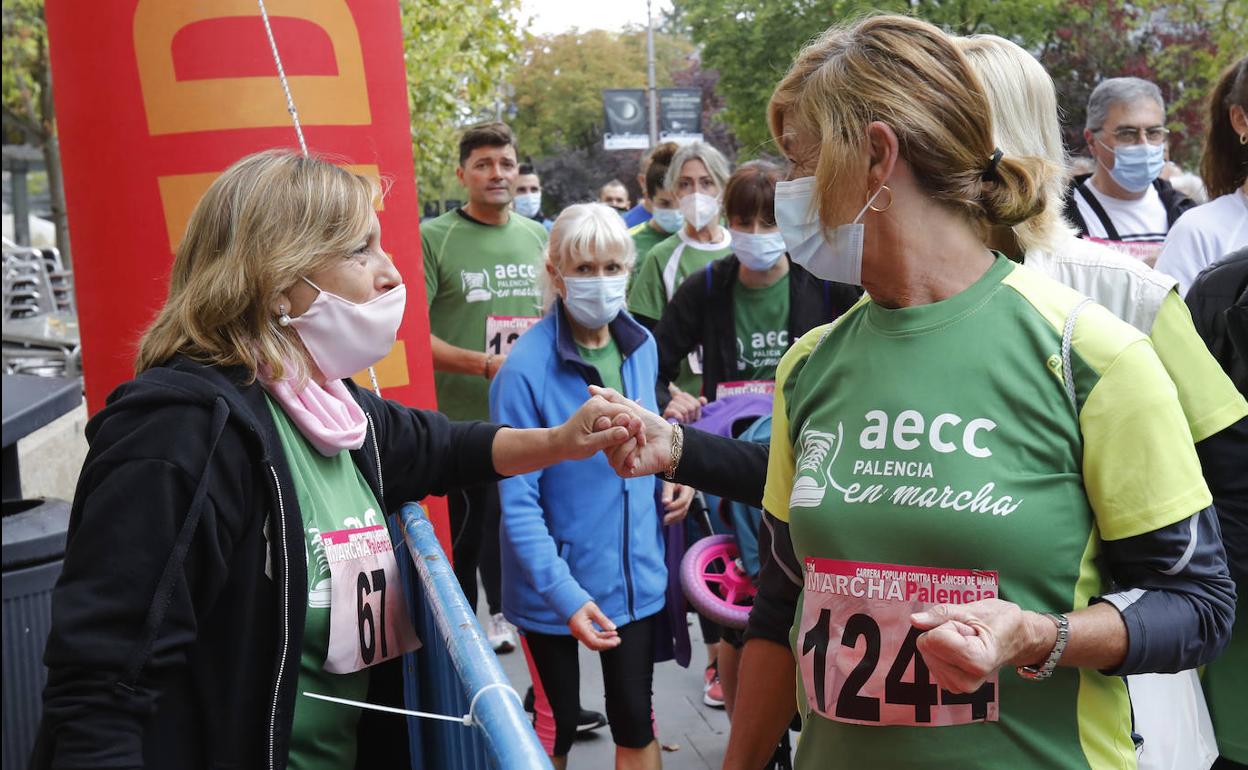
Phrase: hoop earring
[875,208]
[283,319]
[1243,138]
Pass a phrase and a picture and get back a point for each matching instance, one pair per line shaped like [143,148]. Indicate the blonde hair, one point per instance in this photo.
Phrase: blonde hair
[267,220]
[1025,122]
[714,160]
[909,75]
[581,229]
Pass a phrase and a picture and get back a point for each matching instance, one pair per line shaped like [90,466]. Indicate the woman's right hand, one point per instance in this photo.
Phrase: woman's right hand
[582,625]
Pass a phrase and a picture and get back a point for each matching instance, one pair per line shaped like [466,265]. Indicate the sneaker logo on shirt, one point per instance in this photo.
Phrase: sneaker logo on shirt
[476,286]
[814,467]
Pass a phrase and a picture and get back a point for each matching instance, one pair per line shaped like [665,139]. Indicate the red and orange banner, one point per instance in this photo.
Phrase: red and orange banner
[154,98]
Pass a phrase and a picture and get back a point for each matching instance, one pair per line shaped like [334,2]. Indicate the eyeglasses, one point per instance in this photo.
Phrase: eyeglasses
[1129,135]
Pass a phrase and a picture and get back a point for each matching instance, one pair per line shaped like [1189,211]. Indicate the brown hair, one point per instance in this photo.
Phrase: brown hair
[656,164]
[1224,161]
[267,220]
[909,75]
[751,193]
[485,135]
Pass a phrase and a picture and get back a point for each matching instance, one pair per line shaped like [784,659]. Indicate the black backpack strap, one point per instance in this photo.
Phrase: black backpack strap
[177,558]
[1111,232]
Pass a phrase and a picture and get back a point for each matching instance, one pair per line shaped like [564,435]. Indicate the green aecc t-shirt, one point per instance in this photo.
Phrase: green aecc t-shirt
[474,271]
[332,495]
[942,436]
[761,318]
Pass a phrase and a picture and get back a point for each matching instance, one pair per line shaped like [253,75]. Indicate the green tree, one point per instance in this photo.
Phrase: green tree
[27,98]
[457,53]
[752,42]
[558,83]
[1182,45]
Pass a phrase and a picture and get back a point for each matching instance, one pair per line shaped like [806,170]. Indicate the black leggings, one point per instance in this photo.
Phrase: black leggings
[627,680]
[475,514]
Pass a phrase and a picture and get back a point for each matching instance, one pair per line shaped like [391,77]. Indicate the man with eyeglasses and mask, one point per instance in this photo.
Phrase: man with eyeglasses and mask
[1124,203]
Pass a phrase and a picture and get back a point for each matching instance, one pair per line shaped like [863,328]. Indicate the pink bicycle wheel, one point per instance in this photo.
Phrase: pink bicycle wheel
[714,582]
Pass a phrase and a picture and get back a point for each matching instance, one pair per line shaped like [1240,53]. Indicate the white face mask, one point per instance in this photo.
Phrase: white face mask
[669,220]
[798,217]
[595,302]
[758,251]
[344,337]
[528,204]
[699,209]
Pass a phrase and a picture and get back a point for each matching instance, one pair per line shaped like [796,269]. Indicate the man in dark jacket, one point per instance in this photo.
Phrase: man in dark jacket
[1124,202]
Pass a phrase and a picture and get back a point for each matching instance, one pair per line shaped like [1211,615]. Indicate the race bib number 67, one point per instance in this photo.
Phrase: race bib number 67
[858,653]
[368,621]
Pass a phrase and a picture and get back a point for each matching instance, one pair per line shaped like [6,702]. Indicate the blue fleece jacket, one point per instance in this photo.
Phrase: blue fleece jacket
[575,531]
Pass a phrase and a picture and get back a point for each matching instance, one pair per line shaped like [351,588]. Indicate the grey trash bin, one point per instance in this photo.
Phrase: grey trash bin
[34,545]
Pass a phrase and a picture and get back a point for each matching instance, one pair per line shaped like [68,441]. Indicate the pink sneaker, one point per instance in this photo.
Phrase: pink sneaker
[713,691]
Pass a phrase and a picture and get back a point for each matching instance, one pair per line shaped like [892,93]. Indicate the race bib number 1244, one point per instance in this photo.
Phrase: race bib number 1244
[858,653]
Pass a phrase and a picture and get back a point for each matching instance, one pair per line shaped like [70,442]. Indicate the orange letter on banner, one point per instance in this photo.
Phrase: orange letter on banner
[175,106]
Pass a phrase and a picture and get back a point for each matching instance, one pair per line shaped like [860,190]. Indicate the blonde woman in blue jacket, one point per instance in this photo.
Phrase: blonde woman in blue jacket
[582,549]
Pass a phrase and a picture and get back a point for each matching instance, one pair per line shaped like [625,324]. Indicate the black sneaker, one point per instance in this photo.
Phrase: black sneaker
[588,720]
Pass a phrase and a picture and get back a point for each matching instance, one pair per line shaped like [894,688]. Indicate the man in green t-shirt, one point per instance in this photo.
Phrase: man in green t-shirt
[481,264]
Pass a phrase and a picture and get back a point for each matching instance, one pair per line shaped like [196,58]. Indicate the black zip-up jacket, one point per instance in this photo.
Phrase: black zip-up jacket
[177,622]
[1174,201]
[701,313]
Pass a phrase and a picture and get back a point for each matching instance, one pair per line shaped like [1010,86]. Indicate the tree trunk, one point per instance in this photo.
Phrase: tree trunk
[56,193]
[52,161]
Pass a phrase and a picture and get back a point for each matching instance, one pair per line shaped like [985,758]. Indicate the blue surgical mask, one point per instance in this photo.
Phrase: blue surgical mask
[797,214]
[1136,165]
[669,220]
[595,302]
[758,251]
[528,204]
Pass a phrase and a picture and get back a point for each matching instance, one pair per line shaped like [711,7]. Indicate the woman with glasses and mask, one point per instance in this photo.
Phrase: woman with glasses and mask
[236,493]
[583,550]
[1124,202]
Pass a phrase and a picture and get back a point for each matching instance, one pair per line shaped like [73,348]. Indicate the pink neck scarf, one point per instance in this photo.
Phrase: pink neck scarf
[328,417]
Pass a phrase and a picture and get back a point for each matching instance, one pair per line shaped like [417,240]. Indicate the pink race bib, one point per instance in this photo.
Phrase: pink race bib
[740,387]
[368,621]
[1144,251]
[858,657]
[502,331]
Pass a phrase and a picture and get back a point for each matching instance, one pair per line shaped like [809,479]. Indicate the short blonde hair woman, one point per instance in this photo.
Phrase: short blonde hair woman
[582,549]
[196,581]
[968,423]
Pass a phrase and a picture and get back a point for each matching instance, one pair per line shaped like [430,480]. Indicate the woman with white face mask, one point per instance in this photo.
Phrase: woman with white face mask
[232,493]
[970,422]
[583,551]
[696,176]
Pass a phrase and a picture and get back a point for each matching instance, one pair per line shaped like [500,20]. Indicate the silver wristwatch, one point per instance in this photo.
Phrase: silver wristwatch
[1045,670]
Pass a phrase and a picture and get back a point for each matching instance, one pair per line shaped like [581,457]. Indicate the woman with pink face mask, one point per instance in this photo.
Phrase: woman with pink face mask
[228,531]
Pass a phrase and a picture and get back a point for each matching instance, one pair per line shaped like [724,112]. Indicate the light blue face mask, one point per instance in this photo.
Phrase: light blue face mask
[594,302]
[1136,165]
[669,220]
[528,204]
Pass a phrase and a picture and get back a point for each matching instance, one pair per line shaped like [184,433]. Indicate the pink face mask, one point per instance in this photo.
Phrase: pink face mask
[344,337]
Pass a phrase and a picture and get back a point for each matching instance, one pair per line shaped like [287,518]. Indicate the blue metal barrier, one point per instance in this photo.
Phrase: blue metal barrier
[456,665]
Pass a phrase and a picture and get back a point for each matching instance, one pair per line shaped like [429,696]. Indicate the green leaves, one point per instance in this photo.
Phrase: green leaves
[558,83]
[457,55]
